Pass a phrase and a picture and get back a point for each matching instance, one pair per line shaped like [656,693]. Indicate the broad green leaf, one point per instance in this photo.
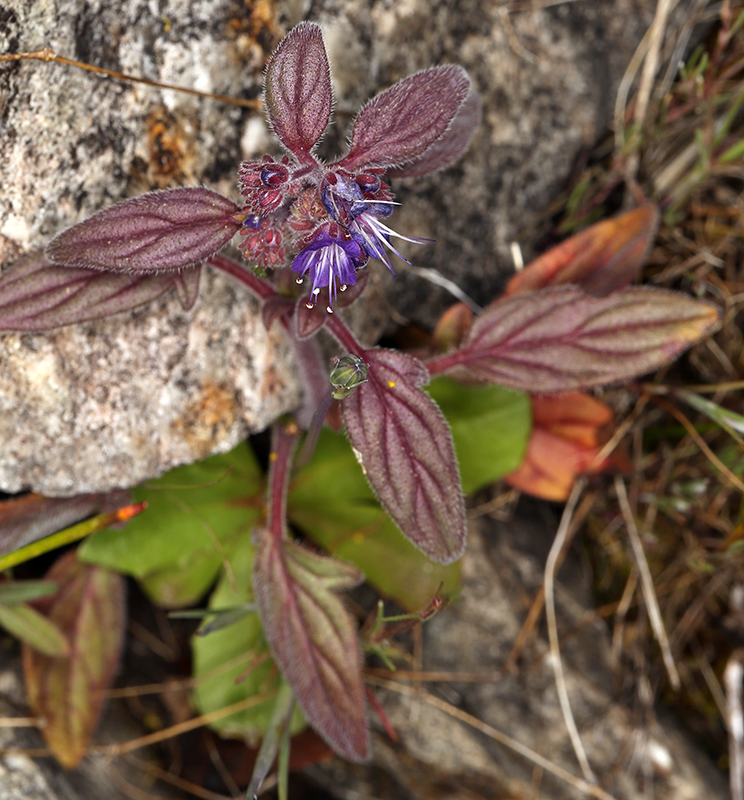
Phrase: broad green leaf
[490,427]
[314,639]
[223,656]
[31,627]
[331,502]
[176,548]
[68,693]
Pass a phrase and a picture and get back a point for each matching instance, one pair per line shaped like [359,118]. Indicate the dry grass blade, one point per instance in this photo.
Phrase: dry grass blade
[732,678]
[556,663]
[647,584]
[583,786]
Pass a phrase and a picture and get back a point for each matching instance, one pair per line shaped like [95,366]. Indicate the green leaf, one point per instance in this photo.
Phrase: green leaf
[176,548]
[490,427]
[225,655]
[13,593]
[31,627]
[330,500]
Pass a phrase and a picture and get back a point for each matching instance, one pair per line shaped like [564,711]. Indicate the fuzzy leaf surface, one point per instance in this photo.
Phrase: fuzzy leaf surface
[404,121]
[68,693]
[332,503]
[157,232]
[313,639]
[297,90]
[452,144]
[36,295]
[406,451]
[176,549]
[562,339]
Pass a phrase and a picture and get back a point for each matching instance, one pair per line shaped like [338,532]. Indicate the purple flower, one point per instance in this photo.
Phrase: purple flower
[329,260]
[330,215]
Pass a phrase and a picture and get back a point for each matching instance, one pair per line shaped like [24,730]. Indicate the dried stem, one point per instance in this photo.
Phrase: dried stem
[732,679]
[647,584]
[549,583]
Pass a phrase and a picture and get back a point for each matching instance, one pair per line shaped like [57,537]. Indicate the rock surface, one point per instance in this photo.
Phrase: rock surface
[634,753]
[72,143]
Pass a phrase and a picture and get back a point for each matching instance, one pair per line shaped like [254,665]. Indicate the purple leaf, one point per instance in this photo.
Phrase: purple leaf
[401,124]
[187,286]
[404,445]
[450,146]
[275,307]
[156,232]
[36,295]
[313,639]
[32,516]
[297,90]
[562,339]
[308,321]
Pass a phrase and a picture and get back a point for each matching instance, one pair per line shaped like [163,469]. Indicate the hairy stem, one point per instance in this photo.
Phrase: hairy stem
[256,285]
[283,442]
[345,337]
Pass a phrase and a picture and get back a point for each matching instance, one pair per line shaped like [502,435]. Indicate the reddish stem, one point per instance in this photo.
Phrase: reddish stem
[345,337]
[443,363]
[258,287]
[283,443]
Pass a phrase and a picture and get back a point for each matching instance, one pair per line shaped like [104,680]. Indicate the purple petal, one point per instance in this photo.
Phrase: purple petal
[401,124]
[297,91]
[36,295]
[406,451]
[450,146]
[156,232]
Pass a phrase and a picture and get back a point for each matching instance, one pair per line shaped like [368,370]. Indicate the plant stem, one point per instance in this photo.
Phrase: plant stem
[256,285]
[345,337]
[283,443]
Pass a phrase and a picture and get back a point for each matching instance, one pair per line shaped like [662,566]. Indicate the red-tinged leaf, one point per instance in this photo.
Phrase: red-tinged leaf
[297,90]
[573,415]
[68,693]
[601,259]
[157,232]
[30,517]
[453,143]
[404,445]
[562,339]
[187,286]
[403,122]
[308,321]
[36,295]
[313,639]
[451,328]
[274,308]
[34,629]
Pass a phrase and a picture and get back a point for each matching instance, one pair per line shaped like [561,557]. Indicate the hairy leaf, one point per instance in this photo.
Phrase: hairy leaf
[195,511]
[187,286]
[297,90]
[405,448]
[562,339]
[32,516]
[313,639]
[36,295]
[601,259]
[233,664]
[453,143]
[68,693]
[34,629]
[403,122]
[157,232]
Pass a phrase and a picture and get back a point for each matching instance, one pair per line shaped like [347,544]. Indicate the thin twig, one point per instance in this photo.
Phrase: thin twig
[647,584]
[497,736]
[732,680]
[555,652]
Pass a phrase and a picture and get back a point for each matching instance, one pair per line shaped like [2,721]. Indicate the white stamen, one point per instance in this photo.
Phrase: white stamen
[316,291]
[299,281]
[343,287]
[329,310]
[309,306]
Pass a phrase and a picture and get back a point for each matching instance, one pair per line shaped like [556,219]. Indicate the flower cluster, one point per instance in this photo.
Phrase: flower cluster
[326,220]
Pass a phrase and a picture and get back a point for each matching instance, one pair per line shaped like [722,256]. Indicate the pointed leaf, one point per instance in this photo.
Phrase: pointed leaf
[404,121]
[32,516]
[297,90]
[561,339]
[36,295]
[187,286]
[405,448]
[156,232]
[453,143]
[68,693]
[313,639]
[13,593]
[601,259]
[35,630]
